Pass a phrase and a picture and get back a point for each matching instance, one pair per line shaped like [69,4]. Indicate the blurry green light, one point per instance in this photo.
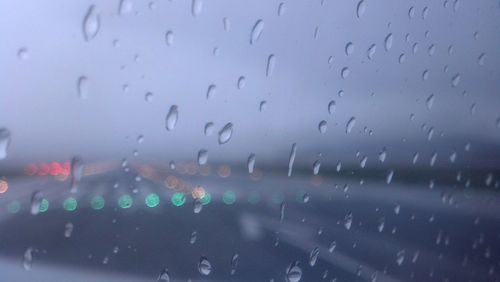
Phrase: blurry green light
[70,204]
[125,201]
[44,205]
[97,203]
[152,200]
[254,197]
[13,207]
[229,197]
[206,199]
[178,199]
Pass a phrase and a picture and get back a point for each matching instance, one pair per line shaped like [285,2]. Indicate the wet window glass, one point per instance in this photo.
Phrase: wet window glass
[280,140]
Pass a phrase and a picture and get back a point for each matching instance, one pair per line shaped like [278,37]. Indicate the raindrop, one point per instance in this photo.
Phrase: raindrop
[209,128]
[305,198]
[382,155]
[28,259]
[169,38]
[256,31]
[171,119]
[313,256]
[381,225]
[271,62]
[83,87]
[36,201]
[332,246]
[397,209]
[76,172]
[293,273]
[291,159]
[388,42]
[171,164]
[430,101]
[360,9]
[68,229]
[349,48]
[316,167]
[125,7]
[282,211]
[226,24]
[433,159]
[234,263]
[453,157]
[425,12]
[400,257]
[331,107]
[350,124]
[402,58]
[348,221]
[362,164]
[197,205]
[431,50]
[455,80]
[390,174]
[262,105]
[344,73]
[140,139]
[322,126]
[204,266]
[480,59]
[148,97]
[196,7]
[192,238]
[164,276]
[425,75]
[22,54]
[241,82]
[251,163]
[4,142]
[91,23]
[202,157]
[281,9]
[225,133]
[411,12]
[371,51]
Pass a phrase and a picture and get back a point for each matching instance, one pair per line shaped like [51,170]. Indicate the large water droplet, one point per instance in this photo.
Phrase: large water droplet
[256,31]
[28,259]
[91,23]
[400,257]
[348,221]
[316,167]
[4,142]
[322,126]
[148,97]
[281,9]
[331,107]
[242,81]
[388,42]
[234,263]
[196,7]
[291,159]
[125,7]
[83,87]
[344,73]
[350,124]
[204,266]
[171,119]
[313,256]
[293,273]
[36,201]
[360,9]
[226,133]
[349,48]
[164,276]
[202,157]
[211,91]
[209,128]
[271,62]
[251,163]
[169,38]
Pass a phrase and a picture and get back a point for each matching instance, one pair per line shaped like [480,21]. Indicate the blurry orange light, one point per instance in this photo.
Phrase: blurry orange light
[224,171]
[4,186]
[198,192]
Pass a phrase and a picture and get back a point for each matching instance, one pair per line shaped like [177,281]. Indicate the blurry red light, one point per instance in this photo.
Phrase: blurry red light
[55,168]
[31,169]
[43,169]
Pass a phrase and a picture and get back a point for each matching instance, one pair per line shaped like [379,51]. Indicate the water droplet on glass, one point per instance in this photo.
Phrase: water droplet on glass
[348,221]
[361,8]
[202,157]
[192,238]
[241,82]
[225,133]
[281,9]
[344,73]
[83,87]
[388,42]
[316,167]
[371,51]
[332,246]
[76,172]
[349,48]
[402,58]
[251,163]
[313,256]
[271,62]
[171,119]
[196,7]
[28,259]
[197,205]
[125,7]
[204,266]
[400,257]
[164,276]
[36,201]
[148,97]
[209,128]
[291,159]
[226,24]
[322,126]
[23,54]
[262,106]
[91,23]
[331,107]
[282,211]
[480,59]
[362,164]
[429,102]
[293,273]
[169,38]
[68,229]
[382,155]
[455,80]
[234,263]
[350,124]
[256,31]
[140,139]
[390,174]
[4,142]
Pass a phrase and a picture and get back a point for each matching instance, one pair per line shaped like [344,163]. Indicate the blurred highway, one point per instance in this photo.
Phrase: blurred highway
[371,231]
